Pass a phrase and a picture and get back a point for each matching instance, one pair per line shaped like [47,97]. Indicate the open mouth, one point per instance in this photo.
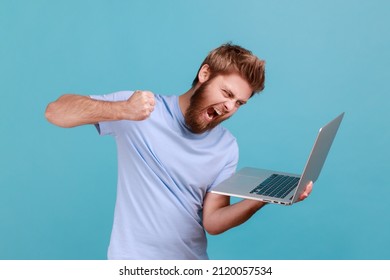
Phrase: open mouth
[213,112]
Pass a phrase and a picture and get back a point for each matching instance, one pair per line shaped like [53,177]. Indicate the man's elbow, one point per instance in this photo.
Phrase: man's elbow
[49,114]
[52,115]
[212,228]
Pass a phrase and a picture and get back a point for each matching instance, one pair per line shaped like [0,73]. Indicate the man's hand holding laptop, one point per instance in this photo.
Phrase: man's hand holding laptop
[306,192]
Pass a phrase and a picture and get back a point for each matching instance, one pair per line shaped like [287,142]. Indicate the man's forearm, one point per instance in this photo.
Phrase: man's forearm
[73,110]
[236,214]
[221,216]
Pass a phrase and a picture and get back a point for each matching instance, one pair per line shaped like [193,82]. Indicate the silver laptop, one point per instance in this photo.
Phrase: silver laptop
[281,187]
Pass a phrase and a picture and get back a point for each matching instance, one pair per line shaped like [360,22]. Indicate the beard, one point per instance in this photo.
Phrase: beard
[194,116]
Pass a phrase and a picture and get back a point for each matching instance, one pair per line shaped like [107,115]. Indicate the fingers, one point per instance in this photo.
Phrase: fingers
[140,105]
[147,99]
[307,191]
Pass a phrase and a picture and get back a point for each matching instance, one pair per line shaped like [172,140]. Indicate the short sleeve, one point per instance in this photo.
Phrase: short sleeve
[230,167]
[109,127]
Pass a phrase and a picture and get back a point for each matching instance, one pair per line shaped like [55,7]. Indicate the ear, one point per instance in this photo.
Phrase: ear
[204,73]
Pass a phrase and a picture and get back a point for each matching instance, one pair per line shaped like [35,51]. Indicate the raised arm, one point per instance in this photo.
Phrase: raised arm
[72,110]
[219,215]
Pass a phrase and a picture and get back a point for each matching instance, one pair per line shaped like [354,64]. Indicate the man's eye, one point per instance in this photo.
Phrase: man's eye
[228,93]
[225,93]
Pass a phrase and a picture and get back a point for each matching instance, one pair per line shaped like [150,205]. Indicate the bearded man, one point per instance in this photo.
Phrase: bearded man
[171,152]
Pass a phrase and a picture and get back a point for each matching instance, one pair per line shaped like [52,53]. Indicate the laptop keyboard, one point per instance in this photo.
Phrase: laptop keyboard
[276,185]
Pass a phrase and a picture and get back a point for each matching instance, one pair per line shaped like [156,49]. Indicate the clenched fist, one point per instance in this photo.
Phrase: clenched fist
[139,106]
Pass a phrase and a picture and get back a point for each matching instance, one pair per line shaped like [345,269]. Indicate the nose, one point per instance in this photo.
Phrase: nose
[229,105]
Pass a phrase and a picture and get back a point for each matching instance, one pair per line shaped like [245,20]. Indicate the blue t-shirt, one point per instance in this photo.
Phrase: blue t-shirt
[164,172]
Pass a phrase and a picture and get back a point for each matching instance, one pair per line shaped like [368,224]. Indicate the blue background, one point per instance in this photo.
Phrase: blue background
[57,186]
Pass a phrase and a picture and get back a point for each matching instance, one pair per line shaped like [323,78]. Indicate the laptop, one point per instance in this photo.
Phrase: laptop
[281,187]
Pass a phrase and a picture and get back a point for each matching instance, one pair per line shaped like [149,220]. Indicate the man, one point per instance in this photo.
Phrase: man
[171,153]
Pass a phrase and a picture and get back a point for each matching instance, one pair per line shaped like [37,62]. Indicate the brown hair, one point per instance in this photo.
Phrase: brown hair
[230,58]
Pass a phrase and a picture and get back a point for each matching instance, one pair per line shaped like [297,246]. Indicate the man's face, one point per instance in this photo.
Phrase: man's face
[216,100]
